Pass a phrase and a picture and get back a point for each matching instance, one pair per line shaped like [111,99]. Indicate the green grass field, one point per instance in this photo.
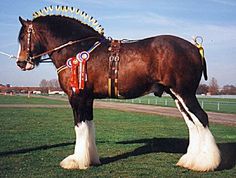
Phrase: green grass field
[34,141]
[17,99]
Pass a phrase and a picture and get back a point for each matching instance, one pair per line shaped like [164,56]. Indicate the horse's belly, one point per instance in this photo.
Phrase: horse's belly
[133,88]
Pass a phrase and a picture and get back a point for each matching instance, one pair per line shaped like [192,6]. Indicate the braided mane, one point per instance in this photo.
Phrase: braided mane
[70,12]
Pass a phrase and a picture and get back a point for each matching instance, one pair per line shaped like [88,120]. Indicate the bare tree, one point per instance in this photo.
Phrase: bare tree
[43,83]
[213,86]
[202,89]
[53,83]
[228,90]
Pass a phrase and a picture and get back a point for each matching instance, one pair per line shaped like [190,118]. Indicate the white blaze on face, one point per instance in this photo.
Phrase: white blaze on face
[18,54]
[28,66]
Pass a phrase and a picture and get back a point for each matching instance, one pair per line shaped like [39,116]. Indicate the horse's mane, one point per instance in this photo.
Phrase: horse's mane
[72,13]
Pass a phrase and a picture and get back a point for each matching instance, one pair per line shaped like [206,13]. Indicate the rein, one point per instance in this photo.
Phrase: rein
[61,46]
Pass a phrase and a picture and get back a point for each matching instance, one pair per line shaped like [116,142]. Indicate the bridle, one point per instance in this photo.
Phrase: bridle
[30,30]
[30,58]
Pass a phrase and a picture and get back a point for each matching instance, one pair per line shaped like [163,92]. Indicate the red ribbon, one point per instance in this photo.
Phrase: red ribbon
[78,71]
[74,75]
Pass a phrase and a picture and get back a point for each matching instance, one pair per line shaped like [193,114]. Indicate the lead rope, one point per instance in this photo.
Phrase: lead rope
[10,56]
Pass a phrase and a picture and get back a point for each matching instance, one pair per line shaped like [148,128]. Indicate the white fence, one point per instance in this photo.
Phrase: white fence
[219,106]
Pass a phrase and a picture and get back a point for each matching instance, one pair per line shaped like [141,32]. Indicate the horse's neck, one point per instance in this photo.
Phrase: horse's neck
[59,57]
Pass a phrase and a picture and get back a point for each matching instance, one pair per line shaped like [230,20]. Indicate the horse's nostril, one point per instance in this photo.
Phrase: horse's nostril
[21,64]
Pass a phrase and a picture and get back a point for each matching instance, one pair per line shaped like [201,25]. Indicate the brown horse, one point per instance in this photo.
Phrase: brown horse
[157,64]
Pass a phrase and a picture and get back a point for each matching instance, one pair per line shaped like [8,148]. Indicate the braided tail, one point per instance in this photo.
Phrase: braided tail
[201,52]
[204,68]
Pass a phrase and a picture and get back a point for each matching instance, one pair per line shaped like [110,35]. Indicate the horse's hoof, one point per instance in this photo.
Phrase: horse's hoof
[199,162]
[72,162]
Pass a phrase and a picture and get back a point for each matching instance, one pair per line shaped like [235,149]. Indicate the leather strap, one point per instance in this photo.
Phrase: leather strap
[114,59]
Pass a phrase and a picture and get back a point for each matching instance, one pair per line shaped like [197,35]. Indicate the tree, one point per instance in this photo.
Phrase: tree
[202,89]
[53,83]
[213,87]
[43,83]
[228,90]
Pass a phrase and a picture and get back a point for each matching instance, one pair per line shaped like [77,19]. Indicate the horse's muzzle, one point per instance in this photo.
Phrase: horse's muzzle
[24,65]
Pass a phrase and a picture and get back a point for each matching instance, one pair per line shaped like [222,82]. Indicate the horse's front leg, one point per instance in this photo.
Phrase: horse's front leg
[85,152]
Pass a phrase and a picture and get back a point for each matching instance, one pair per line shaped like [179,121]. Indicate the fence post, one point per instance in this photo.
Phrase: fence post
[218,106]
[202,104]
[148,101]
[166,102]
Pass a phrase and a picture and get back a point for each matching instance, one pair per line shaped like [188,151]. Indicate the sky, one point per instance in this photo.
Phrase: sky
[214,20]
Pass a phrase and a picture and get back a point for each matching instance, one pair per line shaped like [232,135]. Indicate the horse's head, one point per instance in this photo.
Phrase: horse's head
[49,34]
[29,46]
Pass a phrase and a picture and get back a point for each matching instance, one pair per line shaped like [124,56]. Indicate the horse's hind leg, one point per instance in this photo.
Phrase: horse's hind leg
[202,153]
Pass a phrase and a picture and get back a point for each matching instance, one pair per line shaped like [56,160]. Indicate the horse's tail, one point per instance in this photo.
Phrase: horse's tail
[201,52]
[204,68]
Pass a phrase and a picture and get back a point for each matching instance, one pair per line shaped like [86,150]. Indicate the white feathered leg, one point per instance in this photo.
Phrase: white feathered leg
[85,153]
[202,153]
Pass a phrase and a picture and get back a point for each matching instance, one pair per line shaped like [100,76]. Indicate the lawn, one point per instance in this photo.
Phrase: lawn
[19,99]
[34,141]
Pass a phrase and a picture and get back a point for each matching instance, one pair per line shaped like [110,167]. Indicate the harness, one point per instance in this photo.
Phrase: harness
[114,59]
[77,64]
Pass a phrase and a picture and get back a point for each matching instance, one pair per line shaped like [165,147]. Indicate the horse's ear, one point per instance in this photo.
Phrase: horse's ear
[22,21]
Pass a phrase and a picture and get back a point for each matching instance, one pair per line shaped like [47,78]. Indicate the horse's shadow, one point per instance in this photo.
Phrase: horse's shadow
[173,145]
[154,145]
[38,148]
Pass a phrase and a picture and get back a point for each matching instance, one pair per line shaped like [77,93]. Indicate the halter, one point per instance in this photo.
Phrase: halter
[30,58]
